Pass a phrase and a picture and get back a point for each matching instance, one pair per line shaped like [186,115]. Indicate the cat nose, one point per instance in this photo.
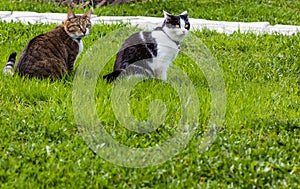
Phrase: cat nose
[83,31]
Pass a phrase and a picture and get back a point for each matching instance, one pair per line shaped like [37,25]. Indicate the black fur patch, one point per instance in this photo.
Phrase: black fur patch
[135,49]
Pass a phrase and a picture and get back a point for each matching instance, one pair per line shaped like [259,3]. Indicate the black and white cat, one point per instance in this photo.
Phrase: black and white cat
[149,54]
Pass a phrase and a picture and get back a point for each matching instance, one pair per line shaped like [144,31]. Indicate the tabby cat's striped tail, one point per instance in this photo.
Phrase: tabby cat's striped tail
[9,67]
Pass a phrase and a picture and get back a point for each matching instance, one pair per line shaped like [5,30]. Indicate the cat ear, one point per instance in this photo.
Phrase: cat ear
[89,13]
[185,13]
[167,15]
[71,14]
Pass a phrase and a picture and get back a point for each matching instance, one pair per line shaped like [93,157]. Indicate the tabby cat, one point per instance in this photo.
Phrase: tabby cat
[149,54]
[52,55]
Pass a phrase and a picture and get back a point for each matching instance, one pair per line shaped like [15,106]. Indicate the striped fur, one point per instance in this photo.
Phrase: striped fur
[52,55]
[9,67]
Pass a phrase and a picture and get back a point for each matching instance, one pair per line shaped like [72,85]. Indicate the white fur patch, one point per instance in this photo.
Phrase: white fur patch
[177,34]
[167,52]
[80,45]
[142,36]
[8,69]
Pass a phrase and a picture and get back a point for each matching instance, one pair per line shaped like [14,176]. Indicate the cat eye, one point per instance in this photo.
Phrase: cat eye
[186,26]
[177,26]
[77,26]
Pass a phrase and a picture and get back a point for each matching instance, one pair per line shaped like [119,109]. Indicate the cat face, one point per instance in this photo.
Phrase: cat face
[176,27]
[78,26]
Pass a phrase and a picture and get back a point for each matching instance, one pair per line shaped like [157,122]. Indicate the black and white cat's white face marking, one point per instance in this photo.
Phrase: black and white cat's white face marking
[176,27]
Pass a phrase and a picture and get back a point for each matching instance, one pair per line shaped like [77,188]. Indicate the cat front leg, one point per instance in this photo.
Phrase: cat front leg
[163,76]
[161,73]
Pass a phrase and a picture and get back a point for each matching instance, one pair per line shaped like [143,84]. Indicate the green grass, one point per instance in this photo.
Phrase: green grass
[273,11]
[257,146]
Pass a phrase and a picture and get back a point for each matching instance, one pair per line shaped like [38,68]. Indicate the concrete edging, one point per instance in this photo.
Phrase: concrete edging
[152,22]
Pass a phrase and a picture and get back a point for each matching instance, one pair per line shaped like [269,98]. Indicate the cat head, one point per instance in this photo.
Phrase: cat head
[176,26]
[78,26]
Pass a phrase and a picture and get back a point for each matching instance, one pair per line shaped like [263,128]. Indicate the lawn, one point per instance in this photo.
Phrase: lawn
[273,11]
[257,145]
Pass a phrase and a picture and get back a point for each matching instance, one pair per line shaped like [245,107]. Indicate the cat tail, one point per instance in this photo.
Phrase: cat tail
[9,67]
[112,76]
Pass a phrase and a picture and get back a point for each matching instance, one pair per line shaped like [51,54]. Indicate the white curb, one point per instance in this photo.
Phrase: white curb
[152,22]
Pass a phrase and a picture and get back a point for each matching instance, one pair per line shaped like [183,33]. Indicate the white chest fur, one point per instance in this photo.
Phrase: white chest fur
[167,51]
[80,44]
